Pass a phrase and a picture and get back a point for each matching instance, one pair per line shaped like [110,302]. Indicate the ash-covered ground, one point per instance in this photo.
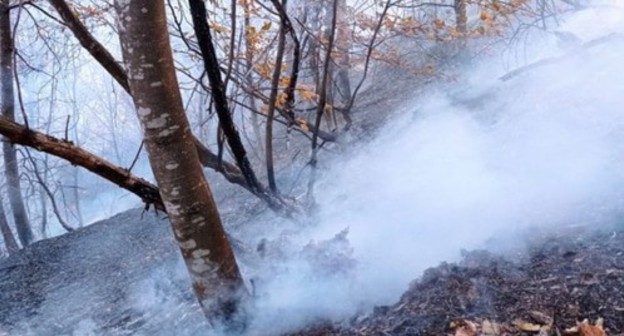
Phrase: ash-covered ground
[558,281]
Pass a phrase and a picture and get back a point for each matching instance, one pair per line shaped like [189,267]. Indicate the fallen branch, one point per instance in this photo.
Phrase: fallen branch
[18,134]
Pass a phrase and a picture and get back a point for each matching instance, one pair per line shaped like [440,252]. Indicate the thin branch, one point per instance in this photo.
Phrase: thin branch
[49,193]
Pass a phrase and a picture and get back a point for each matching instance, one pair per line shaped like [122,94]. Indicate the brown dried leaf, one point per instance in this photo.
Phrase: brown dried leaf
[464,328]
[590,330]
[586,329]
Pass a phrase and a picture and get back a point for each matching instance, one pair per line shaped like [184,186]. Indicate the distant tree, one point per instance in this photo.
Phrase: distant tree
[9,240]
[7,102]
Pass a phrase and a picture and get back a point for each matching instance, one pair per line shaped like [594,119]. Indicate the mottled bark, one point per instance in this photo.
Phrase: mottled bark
[192,212]
[7,102]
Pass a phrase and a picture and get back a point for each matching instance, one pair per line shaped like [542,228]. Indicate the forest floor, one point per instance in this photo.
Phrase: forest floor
[86,283]
[566,283]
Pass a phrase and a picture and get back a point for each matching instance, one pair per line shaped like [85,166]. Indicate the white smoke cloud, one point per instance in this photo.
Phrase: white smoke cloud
[543,149]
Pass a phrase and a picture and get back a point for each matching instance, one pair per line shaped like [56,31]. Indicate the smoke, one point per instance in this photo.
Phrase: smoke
[456,168]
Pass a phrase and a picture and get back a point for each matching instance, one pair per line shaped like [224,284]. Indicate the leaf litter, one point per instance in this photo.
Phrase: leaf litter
[568,282]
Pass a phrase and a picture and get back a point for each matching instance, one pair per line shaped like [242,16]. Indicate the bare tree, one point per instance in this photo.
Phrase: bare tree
[7,101]
[186,195]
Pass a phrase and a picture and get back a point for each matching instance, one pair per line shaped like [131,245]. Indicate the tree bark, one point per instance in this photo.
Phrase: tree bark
[275,80]
[286,24]
[461,18]
[192,212]
[7,235]
[7,100]
[343,41]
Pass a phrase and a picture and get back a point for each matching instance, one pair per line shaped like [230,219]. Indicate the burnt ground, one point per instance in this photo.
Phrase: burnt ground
[86,283]
[561,279]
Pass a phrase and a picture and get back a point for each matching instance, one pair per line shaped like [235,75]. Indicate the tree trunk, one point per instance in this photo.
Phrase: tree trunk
[7,99]
[7,235]
[312,14]
[275,80]
[187,197]
[322,103]
[329,31]
[213,72]
[343,41]
[461,18]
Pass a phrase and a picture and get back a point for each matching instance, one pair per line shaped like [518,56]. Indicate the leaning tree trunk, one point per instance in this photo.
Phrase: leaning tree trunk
[187,197]
[7,99]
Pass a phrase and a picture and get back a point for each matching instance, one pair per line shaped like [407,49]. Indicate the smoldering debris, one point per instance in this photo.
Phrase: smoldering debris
[565,282]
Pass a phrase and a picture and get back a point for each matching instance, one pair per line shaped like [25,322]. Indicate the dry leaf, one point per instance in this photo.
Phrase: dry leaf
[464,328]
[489,328]
[590,330]
[586,329]
[527,326]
